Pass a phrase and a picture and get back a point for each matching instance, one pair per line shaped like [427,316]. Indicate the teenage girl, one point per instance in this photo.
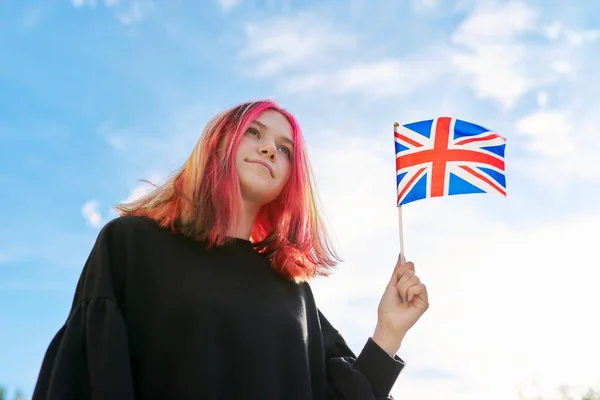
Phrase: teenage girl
[200,289]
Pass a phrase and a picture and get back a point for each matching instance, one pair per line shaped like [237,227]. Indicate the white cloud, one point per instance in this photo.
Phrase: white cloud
[91,213]
[494,48]
[574,36]
[127,12]
[580,37]
[423,6]
[81,3]
[93,3]
[549,132]
[115,138]
[495,23]
[133,13]
[510,301]
[542,99]
[289,43]
[142,189]
[563,145]
[562,67]
[307,53]
[493,56]
[383,78]
[553,30]
[499,50]
[116,142]
[227,5]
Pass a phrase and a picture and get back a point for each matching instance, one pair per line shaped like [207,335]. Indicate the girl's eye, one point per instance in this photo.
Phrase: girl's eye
[253,132]
[285,151]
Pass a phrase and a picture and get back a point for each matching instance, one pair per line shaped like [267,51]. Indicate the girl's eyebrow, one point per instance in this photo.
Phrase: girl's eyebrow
[266,128]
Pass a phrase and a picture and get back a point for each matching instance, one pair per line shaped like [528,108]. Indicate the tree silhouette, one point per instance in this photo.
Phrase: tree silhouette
[564,394]
[18,394]
[591,394]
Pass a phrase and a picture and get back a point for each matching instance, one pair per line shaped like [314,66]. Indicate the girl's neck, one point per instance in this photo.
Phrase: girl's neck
[245,224]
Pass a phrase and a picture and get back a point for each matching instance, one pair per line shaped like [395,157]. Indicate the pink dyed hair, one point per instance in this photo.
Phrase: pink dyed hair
[202,200]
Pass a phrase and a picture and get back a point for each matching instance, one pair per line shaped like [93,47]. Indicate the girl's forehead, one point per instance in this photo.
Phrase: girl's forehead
[275,123]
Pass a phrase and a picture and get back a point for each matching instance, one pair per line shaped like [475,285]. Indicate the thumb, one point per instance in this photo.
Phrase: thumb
[395,276]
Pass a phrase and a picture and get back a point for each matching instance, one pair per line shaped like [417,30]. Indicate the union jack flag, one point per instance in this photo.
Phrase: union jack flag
[447,156]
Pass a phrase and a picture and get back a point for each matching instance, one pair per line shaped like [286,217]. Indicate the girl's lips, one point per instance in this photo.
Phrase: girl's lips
[264,164]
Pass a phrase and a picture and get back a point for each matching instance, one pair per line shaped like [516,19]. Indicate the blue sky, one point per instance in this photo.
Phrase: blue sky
[97,95]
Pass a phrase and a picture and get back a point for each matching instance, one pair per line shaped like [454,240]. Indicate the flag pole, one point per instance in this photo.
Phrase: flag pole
[400,229]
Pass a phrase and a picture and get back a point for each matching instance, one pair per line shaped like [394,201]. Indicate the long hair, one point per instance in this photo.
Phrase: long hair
[202,200]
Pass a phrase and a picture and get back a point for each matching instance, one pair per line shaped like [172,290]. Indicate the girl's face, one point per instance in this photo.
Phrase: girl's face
[264,158]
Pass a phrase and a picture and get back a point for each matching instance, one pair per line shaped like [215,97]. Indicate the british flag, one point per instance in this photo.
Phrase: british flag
[447,156]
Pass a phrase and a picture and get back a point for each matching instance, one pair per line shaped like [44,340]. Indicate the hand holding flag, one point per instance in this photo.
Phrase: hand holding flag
[404,301]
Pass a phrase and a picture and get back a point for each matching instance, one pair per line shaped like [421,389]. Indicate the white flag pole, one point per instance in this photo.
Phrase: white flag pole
[400,229]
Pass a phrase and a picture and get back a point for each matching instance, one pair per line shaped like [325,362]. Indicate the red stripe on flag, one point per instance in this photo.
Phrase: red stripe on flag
[409,184]
[427,156]
[439,156]
[407,139]
[483,178]
[471,140]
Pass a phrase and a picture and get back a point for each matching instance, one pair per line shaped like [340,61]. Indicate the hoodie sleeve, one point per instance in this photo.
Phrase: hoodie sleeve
[88,358]
[370,376]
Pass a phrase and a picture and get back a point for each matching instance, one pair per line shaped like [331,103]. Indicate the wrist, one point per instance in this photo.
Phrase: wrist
[388,341]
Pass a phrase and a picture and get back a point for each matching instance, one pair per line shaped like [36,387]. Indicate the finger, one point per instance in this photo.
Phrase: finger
[407,267]
[417,290]
[406,275]
[425,294]
[408,280]
[399,263]
[398,268]
[411,282]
